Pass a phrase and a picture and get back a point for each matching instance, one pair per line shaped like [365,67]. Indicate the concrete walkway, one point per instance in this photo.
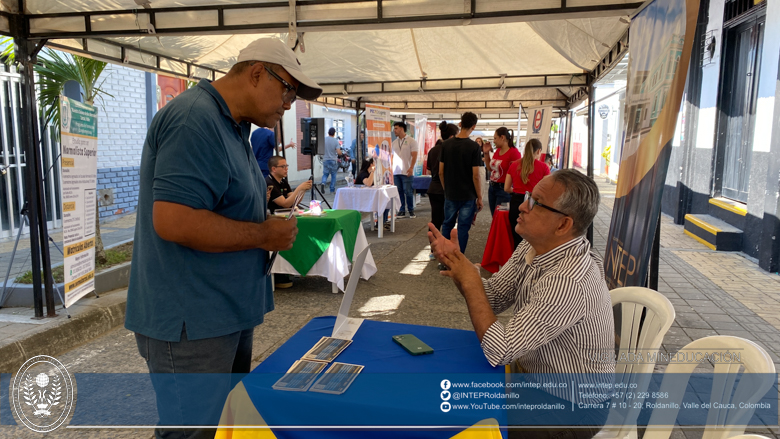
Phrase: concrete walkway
[713,293]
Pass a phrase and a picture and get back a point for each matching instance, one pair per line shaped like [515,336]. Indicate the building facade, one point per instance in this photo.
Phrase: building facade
[723,182]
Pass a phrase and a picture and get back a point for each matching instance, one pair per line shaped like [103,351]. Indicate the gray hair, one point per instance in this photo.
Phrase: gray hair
[580,199]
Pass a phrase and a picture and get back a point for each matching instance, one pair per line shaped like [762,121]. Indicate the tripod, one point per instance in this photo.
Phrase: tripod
[24,221]
[314,185]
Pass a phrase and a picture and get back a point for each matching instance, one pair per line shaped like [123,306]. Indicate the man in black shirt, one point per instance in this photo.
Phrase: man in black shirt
[461,159]
[282,196]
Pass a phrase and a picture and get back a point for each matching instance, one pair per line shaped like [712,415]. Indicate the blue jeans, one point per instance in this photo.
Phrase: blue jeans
[405,190]
[496,196]
[192,378]
[463,212]
[330,167]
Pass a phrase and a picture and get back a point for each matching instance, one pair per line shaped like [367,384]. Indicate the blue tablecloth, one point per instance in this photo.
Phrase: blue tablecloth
[394,389]
[421,184]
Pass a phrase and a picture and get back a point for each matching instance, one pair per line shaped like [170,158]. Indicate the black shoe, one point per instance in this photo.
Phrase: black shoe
[387,226]
[400,214]
[412,215]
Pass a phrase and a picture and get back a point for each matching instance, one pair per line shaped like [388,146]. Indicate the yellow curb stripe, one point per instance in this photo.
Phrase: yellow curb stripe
[725,205]
[712,247]
[708,227]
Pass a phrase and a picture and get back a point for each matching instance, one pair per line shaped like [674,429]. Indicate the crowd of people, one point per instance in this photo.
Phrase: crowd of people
[198,284]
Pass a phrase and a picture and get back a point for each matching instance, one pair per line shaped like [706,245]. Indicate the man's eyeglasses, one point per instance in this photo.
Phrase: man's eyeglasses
[283,167]
[289,96]
[532,202]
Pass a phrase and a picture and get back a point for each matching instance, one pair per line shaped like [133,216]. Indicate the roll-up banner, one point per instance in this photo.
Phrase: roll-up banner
[661,38]
[379,144]
[539,125]
[78,128]
[420,133]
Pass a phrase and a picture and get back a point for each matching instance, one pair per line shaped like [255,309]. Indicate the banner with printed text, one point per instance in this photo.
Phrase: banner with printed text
[78,123]
[661,38]
[379,144]
[539,124]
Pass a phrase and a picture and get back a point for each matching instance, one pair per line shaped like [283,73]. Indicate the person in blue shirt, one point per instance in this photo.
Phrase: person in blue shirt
[263,145]
[330,158]
[198,285]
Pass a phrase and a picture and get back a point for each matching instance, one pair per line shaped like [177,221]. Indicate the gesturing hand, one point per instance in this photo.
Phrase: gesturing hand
[465,274]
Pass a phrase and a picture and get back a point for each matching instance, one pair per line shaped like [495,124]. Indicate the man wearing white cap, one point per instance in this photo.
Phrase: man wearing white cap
[198,285]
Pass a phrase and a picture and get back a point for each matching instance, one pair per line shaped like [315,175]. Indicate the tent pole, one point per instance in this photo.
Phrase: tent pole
[563,161]
[26,52]
[591,149]
[359,156]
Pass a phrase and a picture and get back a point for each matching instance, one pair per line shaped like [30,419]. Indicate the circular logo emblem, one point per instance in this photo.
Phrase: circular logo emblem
[65,116]
[42,394]
[604,111]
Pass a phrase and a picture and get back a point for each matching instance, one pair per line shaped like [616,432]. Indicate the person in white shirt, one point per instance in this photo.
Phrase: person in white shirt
[404,158]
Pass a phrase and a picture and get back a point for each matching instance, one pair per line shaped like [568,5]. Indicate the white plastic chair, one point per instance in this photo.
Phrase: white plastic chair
[639,337]
[721,423]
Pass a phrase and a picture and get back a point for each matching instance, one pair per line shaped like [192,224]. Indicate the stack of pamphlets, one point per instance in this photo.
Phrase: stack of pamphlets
[336,380]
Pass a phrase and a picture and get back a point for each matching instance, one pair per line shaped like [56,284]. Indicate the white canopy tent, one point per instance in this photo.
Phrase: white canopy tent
[429,56]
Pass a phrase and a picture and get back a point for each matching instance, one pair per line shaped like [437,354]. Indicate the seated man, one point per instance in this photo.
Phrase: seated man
[554,283]
[282,195]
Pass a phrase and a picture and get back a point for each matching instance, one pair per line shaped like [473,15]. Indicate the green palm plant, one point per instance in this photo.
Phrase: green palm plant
[54,70]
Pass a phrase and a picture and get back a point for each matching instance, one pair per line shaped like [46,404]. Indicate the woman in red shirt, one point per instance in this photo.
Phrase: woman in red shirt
[505,154]
[522,177]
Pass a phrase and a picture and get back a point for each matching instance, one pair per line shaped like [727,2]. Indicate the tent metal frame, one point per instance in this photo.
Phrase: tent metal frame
[379,20]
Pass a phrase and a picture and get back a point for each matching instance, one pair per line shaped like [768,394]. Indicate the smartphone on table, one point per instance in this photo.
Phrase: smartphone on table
[412,344]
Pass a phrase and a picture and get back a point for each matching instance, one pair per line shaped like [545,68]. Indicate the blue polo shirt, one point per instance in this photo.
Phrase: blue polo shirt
[197,155]
[262,140]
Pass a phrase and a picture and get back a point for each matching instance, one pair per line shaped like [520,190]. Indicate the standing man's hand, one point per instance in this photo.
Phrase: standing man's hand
[479,204]
[268,194]
[280,233]
[291,144]
[409,172]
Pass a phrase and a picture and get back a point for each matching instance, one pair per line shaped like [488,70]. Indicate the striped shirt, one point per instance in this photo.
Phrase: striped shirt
[562,319]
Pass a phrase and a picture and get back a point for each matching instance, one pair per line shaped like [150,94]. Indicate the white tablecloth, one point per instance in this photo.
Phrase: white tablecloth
[367,199]
[333,264]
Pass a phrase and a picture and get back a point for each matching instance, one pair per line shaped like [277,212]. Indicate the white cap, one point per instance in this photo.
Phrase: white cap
[274,51]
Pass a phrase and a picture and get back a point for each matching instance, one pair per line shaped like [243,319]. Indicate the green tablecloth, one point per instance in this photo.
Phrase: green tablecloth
[315,234]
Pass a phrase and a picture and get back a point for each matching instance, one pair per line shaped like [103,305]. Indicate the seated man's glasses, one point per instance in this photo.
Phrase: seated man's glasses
[532,203]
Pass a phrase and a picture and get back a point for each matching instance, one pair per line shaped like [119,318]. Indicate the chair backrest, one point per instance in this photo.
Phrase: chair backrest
[722,423]
[643,316]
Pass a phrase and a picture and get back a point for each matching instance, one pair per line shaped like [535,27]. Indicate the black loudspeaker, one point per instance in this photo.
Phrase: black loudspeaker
[313,135]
